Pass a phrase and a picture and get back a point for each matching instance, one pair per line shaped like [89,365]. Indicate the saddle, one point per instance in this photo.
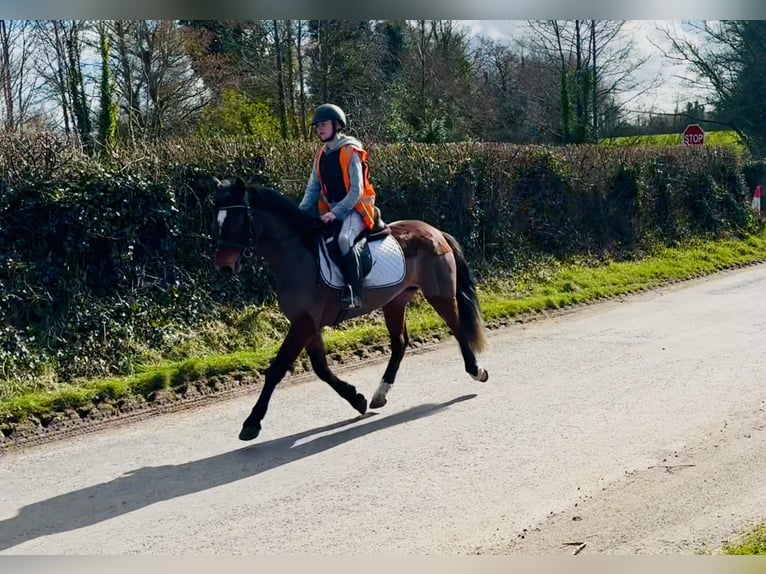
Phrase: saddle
[380,230]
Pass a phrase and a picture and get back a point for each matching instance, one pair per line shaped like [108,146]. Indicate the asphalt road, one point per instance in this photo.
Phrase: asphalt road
[632,426]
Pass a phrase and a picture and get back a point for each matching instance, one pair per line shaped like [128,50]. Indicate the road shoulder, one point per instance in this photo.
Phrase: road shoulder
[656,510]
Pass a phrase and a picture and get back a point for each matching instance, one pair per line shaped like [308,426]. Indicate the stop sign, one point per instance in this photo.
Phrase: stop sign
[694,135]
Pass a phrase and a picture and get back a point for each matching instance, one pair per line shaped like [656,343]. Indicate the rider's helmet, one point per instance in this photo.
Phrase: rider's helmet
[329,112]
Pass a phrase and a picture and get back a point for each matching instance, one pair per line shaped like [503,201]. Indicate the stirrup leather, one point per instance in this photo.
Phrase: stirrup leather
[349,299]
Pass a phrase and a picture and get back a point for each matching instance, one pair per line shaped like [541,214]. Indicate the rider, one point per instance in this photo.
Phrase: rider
[338,188]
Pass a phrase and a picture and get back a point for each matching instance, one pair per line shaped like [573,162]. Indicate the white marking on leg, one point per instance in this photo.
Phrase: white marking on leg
[382,391]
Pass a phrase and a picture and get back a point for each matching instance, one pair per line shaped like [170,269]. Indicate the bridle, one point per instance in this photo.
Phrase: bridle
[246,249]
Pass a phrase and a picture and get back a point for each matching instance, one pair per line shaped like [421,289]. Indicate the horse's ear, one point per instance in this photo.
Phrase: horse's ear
[217,182]
[239,184]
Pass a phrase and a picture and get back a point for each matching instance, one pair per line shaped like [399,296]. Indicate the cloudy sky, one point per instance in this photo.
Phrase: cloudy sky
[645,34]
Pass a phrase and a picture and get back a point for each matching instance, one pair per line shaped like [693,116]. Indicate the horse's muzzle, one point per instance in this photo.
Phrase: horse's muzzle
[227,259]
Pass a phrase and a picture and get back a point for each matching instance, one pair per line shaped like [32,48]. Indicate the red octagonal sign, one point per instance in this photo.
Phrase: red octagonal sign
[694,135]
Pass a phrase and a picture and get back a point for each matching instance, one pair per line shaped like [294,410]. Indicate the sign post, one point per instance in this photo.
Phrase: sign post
[694,135]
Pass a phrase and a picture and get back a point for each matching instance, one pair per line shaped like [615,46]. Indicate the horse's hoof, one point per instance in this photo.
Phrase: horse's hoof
[378,401]
[360,404]
[249,433]
[482,376]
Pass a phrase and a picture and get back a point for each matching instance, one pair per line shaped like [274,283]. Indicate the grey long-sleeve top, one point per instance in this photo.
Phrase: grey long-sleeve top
[313,188]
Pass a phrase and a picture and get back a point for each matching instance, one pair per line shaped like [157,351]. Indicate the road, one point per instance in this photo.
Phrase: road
[626,427]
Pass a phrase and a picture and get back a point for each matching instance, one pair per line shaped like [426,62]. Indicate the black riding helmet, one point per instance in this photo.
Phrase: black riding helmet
[329,112]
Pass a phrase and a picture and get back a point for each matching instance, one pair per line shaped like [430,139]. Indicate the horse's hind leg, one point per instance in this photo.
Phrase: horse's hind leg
[446,307]
[316,351]
[394,314]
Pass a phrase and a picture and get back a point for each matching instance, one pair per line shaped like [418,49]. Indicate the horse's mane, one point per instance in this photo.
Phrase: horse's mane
[285,208]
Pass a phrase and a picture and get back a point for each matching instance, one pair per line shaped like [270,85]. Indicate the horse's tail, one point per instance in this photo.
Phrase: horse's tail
[469,312]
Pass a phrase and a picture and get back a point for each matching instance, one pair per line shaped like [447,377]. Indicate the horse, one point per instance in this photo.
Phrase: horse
[260,219]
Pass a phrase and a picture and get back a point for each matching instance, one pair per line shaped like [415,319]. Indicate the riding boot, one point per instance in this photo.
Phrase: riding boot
[352,294]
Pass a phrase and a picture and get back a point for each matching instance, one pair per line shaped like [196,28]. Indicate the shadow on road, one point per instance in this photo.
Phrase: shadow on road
[146,486]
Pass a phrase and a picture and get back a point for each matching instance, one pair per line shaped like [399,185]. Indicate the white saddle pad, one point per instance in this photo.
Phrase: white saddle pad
[387,265]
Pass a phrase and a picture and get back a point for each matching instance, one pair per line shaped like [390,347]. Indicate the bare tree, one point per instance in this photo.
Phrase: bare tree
[726,62]
[59,65]
[79,99]
[343,68]
[513,102]
[160,93]
[51,67]
[257,62]
[6,73]
[128,84]
[597,64]
[437,81]
[548,42]
[21,101]
[615,65]
[423,37]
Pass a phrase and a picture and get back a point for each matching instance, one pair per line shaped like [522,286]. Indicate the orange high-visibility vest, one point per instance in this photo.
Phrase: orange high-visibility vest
[366,204]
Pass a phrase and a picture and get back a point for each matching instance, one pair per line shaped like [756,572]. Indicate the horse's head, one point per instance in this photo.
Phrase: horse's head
[233,224]
[251,216]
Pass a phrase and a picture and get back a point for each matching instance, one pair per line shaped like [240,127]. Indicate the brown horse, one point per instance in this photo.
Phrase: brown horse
[261,219]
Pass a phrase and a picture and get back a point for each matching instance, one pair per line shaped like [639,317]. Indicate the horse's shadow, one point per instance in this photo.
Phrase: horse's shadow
[148,485]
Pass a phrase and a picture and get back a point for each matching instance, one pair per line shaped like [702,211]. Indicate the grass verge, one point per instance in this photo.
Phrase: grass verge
[712,138]
[751,543]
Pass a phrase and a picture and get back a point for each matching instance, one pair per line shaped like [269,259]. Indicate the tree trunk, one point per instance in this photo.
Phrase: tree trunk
[77,86]
[423,50]
[323,56]
[107,118]
[302,82]
[6,76]
[564,90]
[61,67]
[594,81]
[290,84]
[131,105]
[579,87]
[280,82]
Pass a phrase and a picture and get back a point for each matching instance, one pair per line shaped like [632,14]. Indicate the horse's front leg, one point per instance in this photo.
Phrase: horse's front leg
[316,351]
[301,331]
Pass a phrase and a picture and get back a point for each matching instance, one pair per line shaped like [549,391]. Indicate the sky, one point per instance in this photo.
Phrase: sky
[671,91]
